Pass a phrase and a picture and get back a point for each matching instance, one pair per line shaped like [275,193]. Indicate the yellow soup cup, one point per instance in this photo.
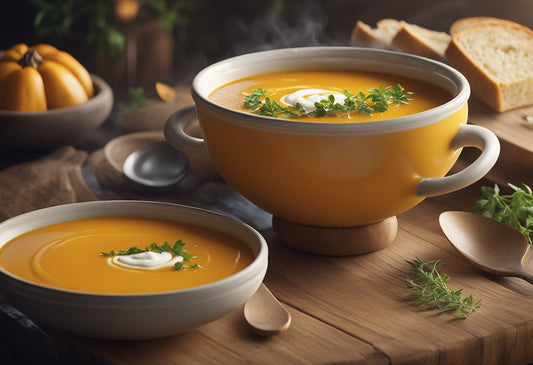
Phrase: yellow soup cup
[335,174]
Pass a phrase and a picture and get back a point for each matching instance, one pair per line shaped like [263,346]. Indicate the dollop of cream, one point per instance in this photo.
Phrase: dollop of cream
[146,260]
[308,97]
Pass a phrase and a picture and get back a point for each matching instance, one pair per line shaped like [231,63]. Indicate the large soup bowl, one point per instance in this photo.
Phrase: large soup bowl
[132,316]
[335,175]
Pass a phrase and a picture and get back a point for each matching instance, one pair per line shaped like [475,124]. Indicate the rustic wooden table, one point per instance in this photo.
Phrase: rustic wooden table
[357,309]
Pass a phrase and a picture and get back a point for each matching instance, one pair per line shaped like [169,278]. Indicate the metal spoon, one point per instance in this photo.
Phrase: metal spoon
[156,165]
[265,314]
[490,245]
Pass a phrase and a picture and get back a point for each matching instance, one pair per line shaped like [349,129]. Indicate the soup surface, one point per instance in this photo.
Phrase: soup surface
[306,87]
[76,255]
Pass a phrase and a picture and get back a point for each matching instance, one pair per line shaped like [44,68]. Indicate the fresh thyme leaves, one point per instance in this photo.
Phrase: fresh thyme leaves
[253,101]
[514,210]
[177,249]
[276,110]
[377,100]
[430,287]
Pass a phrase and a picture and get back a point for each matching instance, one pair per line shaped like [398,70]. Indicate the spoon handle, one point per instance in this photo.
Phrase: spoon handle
[265,314]
[527,276]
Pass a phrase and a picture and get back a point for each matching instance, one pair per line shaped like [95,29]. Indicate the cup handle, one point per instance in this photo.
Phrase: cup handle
[467,136]
[177,137]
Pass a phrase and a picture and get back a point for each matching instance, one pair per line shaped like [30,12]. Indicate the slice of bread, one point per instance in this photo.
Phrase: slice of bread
[379,37]
[389,28]
[402,36]
[497,59]
[364,35]
[463,23]
[421,41]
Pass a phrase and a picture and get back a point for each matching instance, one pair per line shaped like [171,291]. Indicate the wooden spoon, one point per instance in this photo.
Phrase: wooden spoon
[265,314]
[490,245]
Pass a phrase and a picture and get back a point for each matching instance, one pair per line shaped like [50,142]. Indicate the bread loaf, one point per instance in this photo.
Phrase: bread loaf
[402,36]
[421,41]
[379,37]
[497,59]
[464,23]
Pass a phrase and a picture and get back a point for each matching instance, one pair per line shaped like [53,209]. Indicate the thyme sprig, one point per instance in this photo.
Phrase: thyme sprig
[377,100]
[514,210]
[430,287]
[177,249]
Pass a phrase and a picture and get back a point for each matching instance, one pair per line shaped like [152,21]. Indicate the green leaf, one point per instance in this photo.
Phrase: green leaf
[430,287]
[178,249]
[514,210]
[377,100]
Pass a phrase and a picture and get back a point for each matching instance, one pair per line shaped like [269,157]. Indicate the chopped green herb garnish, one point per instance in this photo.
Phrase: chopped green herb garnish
[430,287]
[377,100]
[176,249]
[253,101]
[514,210]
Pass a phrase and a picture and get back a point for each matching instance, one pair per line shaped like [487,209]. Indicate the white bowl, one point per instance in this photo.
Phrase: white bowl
[56,127]
[132,316]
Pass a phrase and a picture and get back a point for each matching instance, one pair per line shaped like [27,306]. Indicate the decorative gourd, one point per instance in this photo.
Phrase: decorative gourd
[42,77]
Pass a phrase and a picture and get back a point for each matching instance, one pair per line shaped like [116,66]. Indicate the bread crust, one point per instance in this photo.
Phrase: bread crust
[390,27]
[463,23]
[399,35]
[484,85]
[364,35]
[407,40]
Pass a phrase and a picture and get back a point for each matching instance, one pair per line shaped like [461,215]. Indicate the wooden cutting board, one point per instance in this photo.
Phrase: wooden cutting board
[357,309]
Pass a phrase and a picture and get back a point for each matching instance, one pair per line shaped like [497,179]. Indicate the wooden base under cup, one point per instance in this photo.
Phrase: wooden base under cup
[345,241]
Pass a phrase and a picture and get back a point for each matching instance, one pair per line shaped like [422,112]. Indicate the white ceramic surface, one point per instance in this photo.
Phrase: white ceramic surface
[135,316]
[56,127]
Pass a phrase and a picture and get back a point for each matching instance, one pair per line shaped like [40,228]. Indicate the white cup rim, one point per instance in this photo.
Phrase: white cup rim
[326,57]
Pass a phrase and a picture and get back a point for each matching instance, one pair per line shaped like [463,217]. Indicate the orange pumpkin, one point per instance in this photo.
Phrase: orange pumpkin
[40,78]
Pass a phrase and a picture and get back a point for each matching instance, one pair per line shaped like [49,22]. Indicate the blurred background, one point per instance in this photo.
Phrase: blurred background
[138,42]
[134,43]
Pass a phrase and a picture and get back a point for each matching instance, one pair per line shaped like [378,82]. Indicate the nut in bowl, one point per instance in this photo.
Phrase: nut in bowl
[47,98]
[128,270]
[353,170]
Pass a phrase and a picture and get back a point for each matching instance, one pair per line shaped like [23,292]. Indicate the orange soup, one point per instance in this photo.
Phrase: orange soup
[306,87]
[78,255]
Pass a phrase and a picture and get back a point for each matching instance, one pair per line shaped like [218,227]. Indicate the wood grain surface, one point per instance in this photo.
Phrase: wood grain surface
[357,309]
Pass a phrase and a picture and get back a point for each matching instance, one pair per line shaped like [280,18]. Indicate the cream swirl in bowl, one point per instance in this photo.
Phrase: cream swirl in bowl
[307,98]
[145,260]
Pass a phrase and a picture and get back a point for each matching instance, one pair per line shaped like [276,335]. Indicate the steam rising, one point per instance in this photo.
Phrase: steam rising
[300,23]
[271,31]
